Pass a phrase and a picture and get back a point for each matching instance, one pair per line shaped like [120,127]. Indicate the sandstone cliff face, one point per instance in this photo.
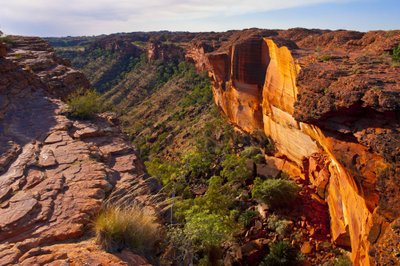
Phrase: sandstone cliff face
[164,51]
[333,113]
[196,51]
[55,172]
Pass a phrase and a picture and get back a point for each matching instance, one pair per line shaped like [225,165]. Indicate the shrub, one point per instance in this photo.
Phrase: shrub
[280,226]
[209,219]
[197,164]
[281,254]
[119,227]
[207,230]
[235,169]
[247,217]
[250,152]
[396,54]
[217,199]
[342,261]
[163,171]
[277,193]
[199,96]
[325,57]
[6,39]
[85,104]
[181,244]
[253,153]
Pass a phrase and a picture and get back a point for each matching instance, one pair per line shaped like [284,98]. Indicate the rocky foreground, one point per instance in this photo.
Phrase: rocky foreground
[56,172]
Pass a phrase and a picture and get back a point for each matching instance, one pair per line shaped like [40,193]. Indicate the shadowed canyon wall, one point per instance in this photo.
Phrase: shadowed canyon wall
[255,85]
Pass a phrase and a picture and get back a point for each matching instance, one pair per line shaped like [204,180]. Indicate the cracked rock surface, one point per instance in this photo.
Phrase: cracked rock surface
[55,174]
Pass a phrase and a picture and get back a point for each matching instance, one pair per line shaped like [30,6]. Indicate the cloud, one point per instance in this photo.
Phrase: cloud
[60,17]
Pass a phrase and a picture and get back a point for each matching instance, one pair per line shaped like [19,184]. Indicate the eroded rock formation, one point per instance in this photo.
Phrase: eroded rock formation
[330,101]
[36,56]
[164,51]
[55,172]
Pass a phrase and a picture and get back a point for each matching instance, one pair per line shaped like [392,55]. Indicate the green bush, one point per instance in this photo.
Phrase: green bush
[166,172]
[182,246]
[196,164]
[207,230]
[279,225]
[277,193]
[247,217]
[209,219]
[342,261]
[396,54]
[7,39]
[253,153]
[199,96]
[250,152]
[235,169]
[325,57]
[281,254]
[85,104]
[117,228]
[217,199]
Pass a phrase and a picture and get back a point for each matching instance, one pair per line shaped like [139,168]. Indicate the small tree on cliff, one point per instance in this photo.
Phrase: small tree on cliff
[277,193]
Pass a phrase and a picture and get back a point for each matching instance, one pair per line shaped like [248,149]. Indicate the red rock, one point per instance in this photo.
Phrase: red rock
[125,163]
[306,248]
[311,107]
[50,186]
[264,170]
[87,132]
[46,158]
[34,54]
[3,51]
[163,51]
[254,246]
[197,54]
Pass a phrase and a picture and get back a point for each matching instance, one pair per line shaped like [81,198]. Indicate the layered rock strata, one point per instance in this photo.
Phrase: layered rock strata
[36,56]
[164,52]
[333,114]
[55,174]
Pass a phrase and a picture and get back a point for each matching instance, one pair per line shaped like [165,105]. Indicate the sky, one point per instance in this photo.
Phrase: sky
[93,17]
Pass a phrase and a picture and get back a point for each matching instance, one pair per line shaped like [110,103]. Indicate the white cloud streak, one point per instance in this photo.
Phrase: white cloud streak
[61,17]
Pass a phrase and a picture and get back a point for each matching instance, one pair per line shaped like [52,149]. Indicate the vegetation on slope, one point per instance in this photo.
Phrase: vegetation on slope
[85,104]
[205,165]
[396,54]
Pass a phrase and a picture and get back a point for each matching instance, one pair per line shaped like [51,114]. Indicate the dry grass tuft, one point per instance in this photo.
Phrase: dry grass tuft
[120,227]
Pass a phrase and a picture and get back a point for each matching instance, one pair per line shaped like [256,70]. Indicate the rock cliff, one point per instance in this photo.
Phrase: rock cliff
[330,102]
[56,172]
[165,52]
[328,99]
[36,56]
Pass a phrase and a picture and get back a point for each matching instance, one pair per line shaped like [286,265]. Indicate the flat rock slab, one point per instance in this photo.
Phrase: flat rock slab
[55,173]
[125,163]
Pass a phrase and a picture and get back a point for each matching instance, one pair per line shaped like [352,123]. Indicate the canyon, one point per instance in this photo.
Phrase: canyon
[330,125]
[329,101]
